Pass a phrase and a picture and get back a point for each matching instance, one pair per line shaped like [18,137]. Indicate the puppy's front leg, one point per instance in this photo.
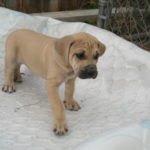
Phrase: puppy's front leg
[69,101]
[60,125]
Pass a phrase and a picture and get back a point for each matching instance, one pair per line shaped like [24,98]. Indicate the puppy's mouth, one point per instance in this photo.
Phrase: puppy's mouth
[88,72]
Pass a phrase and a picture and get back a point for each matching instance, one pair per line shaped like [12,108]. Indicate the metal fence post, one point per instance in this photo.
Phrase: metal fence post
[105,9]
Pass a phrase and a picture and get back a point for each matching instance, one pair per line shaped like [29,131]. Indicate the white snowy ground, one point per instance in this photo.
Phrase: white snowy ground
[120,95]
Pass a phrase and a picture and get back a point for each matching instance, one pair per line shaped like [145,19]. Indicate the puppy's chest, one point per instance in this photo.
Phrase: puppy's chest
[70,75]
[67,76]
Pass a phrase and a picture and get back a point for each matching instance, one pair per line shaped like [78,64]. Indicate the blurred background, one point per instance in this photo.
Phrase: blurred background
[129,19]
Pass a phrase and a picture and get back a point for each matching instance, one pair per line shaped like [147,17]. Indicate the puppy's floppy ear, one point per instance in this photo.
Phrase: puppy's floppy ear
[63,46]
[101,48]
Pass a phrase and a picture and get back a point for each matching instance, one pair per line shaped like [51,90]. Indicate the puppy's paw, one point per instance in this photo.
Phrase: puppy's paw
[60,127]
[71,105]
[9,88]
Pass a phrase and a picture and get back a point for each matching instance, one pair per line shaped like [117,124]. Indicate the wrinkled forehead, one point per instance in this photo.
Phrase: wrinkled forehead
[87,45]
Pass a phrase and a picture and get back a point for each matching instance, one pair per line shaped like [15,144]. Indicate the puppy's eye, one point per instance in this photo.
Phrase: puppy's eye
[80,55]
[96,56]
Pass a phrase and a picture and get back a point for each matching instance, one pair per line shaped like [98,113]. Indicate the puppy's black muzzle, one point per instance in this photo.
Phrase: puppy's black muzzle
[89,71]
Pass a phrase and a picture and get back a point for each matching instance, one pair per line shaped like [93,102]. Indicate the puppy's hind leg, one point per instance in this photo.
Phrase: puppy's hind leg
[10,65]
[17,74]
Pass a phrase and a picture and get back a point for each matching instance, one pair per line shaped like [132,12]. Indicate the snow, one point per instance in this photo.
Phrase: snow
[118,96]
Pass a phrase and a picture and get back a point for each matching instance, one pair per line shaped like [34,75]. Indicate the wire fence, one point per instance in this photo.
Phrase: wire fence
[127,18]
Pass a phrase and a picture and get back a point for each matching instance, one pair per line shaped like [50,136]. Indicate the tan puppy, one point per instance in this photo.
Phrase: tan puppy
[56,60]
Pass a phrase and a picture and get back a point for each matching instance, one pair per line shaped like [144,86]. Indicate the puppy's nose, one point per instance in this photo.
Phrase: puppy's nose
[91,71]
